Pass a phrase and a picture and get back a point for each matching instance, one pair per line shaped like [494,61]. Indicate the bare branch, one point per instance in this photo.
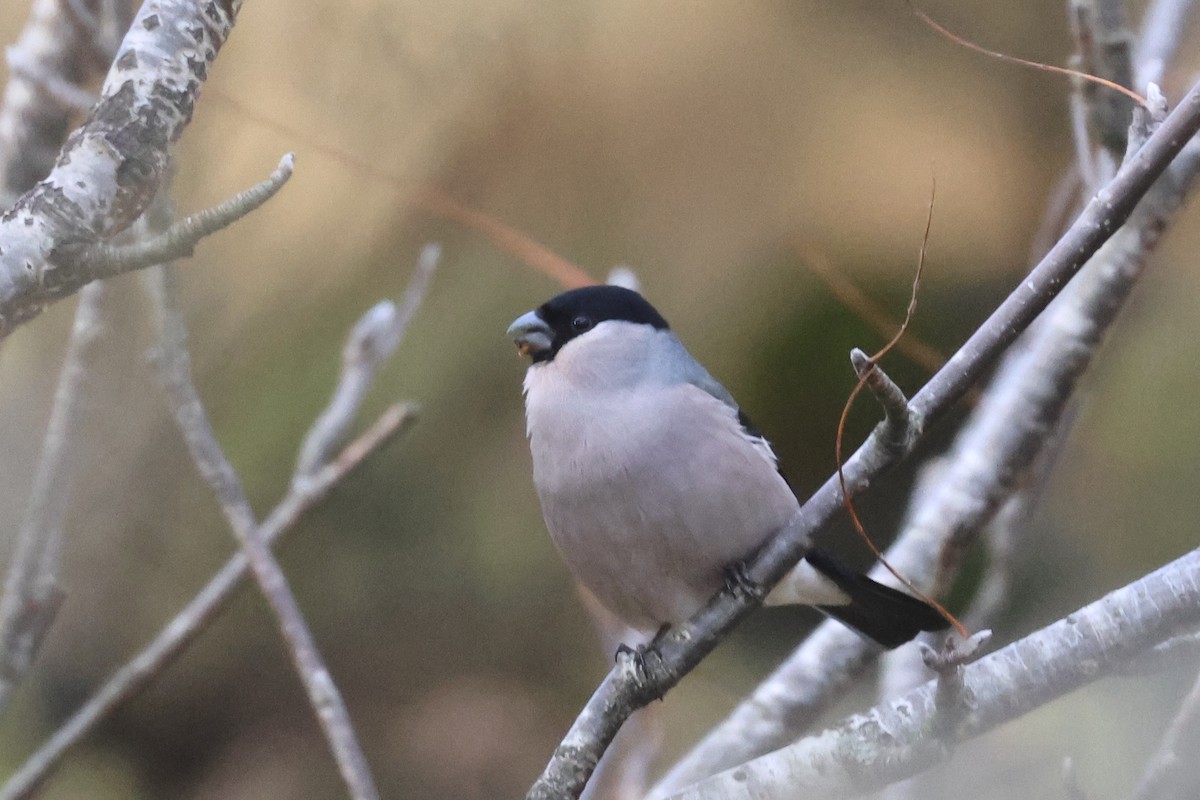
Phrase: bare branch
[196,617]
[174,367]
[112,166]
[371,342]
[681,649]
[32,593]
[891,742]
[31,132]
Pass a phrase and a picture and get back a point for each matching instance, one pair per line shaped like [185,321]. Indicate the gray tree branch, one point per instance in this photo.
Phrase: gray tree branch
[891,742]
[32,594]
[319,479]
[48,53]
[138,673]
[174,366]
[370,344]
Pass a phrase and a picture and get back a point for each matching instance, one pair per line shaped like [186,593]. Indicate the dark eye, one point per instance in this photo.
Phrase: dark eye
[581,324]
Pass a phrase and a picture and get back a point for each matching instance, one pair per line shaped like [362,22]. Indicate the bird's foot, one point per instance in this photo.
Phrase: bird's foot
[646,663]
[739,582]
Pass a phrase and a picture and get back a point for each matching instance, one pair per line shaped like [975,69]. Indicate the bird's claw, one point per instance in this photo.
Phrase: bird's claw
[645,662]
[739,582]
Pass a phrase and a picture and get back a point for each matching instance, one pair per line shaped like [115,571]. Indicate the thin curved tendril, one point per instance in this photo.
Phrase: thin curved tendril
[1074,73]
[841,428]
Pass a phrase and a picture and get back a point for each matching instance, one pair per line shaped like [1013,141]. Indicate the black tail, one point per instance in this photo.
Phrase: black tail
[886,615]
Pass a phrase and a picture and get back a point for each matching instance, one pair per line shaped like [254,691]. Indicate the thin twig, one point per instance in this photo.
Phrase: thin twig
[371,342]
[890,396]
[681,649]
[32,594]
[905,669]
[1112,85]
[198,615]
[104,259]
[174,367]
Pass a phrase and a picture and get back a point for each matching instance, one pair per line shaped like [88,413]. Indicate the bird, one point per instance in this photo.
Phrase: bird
[654,483]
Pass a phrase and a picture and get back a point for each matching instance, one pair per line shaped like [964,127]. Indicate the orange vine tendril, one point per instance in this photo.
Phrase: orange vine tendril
[503,237]
[841,428]
[1116,87]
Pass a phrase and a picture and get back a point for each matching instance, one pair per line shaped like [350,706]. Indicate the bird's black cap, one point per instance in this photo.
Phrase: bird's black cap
[579,310]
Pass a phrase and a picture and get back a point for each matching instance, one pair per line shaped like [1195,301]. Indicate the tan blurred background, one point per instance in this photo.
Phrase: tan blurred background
[704,143]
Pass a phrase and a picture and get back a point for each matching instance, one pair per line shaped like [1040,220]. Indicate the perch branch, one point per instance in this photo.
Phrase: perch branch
[891,742]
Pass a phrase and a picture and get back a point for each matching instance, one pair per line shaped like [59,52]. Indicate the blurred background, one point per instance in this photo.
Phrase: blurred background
[721,149]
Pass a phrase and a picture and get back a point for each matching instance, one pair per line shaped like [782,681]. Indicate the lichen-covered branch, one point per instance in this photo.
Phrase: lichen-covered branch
[111,167]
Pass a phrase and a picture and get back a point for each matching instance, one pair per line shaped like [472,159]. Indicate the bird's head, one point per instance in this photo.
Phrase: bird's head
[580,315]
